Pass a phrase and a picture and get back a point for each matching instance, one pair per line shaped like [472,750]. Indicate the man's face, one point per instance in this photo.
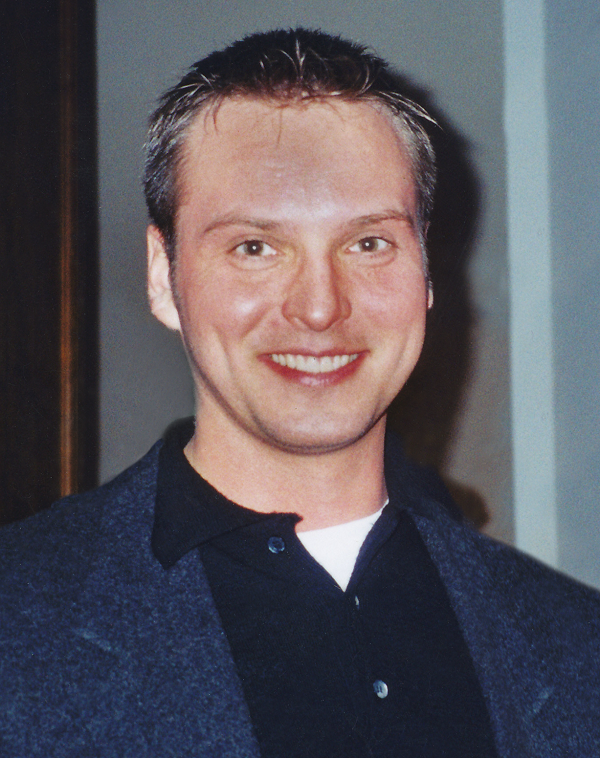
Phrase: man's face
[299,286]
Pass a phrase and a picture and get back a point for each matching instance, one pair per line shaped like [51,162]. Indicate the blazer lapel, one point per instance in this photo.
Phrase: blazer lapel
[162,675]
[511,670]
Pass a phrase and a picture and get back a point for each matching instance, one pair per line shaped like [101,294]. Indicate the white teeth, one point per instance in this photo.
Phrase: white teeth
[311,364]
[326,363]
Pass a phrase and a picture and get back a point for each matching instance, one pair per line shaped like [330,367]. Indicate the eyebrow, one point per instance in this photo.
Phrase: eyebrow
[232,219]
[376,218]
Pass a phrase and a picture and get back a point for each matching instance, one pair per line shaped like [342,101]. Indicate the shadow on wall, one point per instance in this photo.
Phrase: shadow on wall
[425,412]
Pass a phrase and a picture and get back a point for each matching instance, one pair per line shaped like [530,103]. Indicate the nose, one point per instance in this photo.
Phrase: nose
[317,297]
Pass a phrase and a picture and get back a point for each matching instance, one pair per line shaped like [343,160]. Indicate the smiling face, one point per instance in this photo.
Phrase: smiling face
[299,286]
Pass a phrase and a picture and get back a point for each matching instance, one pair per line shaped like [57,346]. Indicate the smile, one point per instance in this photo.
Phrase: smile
[311,364]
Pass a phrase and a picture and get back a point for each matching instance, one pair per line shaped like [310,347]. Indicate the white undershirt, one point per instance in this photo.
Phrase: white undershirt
[336,548]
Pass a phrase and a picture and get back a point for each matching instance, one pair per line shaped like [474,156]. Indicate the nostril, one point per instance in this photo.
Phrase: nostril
[317,315]
[318,301]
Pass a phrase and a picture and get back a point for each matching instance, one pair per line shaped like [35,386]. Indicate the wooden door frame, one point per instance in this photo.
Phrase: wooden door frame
[48,241]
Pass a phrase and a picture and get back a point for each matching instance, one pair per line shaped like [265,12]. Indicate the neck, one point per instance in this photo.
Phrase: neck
[325,489]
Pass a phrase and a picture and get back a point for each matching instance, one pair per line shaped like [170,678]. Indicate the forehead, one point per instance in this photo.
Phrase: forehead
[248,149]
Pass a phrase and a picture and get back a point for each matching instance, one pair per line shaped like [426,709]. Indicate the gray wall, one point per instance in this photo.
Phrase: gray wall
[573,83]
[459,52]
[552,127]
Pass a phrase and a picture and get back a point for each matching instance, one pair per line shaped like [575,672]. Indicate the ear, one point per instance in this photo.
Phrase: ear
[160,293]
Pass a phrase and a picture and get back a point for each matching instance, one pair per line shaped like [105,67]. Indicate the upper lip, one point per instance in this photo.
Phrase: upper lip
[314,353]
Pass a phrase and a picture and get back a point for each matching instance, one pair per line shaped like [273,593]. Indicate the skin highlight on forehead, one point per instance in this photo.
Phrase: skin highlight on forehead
[274,128]
[213,121]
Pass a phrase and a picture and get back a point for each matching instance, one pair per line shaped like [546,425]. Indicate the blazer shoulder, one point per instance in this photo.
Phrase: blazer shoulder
[517,569]
[54,545]
[536,587]
[544,601]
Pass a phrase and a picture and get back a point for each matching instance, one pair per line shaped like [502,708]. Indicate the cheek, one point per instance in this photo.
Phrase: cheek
[396,301]
[211,303]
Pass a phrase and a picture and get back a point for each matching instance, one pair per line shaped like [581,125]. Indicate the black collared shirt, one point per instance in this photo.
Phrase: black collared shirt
[380,670]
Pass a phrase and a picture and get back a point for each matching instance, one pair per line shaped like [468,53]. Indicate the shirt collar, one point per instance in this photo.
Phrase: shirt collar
[417,489]
[189,511]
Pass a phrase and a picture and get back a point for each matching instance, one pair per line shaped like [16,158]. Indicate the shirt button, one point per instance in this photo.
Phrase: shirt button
[380,688]
[276,545]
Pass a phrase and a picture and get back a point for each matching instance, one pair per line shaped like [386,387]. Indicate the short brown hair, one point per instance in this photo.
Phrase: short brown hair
[281,65]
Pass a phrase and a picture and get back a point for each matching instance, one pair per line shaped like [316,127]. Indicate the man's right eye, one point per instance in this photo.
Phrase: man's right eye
[254,249]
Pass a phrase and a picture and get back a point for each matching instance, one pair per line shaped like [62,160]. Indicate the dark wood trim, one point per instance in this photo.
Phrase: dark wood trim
[48,243]
[68,243]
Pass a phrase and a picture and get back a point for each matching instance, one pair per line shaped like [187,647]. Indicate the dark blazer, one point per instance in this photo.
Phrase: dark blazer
[104,653]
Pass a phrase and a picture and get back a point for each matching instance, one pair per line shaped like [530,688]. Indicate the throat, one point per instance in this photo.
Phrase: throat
[324,489]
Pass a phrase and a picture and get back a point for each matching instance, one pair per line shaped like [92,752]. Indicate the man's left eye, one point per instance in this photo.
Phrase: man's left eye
[370,245]
[254,249]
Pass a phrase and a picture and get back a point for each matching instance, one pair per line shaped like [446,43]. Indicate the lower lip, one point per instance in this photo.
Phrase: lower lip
[325,379]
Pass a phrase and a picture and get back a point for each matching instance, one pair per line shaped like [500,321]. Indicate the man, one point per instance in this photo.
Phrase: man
[276,580]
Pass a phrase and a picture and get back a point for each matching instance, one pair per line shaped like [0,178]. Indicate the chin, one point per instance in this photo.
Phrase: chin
[315,439]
